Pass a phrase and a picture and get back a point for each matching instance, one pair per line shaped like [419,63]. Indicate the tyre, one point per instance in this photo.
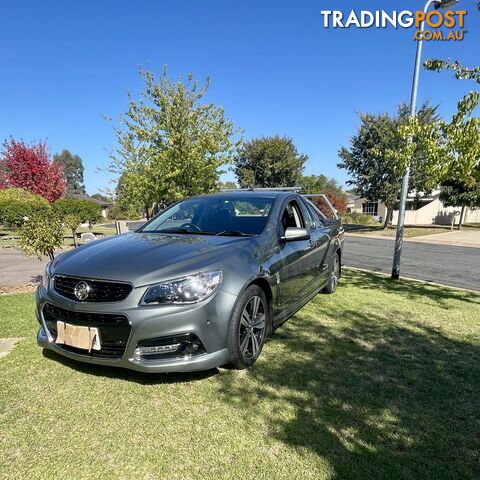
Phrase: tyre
[333,276]
[248,327]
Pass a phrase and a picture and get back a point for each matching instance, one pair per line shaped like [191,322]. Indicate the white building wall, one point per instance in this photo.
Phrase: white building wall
[435,213]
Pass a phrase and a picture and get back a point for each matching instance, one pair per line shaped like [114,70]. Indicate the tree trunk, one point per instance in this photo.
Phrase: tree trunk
[50,254]
[74,234]
[388,217]
[460,221]
[147,213]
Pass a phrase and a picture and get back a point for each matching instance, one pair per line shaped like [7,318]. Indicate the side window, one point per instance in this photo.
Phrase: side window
[292,216]
[310,218]
[318,215]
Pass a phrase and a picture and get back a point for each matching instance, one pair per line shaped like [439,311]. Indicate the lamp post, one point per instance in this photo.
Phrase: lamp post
[413,105]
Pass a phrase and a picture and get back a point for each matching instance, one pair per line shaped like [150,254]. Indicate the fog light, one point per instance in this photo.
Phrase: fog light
[157,349]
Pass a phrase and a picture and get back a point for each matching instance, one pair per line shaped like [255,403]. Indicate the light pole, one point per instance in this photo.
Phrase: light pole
[413,105]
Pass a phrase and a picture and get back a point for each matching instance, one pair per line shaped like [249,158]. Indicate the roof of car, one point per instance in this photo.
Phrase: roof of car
[250,193]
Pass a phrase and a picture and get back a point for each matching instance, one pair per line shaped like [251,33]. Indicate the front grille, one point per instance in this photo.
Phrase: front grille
[100,290]
[114,329]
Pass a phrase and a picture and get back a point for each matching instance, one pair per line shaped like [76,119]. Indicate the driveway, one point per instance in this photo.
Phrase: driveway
[450,265]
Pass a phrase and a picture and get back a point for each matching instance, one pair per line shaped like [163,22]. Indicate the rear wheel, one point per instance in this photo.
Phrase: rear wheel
[248,327]
[333,276]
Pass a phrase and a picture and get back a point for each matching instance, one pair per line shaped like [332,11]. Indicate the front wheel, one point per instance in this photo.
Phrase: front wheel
[248,327]
[333,276]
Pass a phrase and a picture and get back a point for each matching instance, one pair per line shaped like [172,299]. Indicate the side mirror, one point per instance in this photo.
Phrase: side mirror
[293,233]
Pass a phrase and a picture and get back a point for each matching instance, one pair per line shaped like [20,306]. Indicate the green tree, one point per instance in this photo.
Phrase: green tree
[86,210]
[269,162]
[171,143]
[101,196]
[457,193]
[228,185]
[72,171]
[375,171]
[18,204]
[41,235]
[72,222]
[461,72]
[319,184]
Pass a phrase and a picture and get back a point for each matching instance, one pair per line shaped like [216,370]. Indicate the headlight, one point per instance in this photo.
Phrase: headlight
[191,289]
[46,276]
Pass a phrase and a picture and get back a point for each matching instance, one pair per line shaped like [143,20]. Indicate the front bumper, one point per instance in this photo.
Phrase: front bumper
[208,320]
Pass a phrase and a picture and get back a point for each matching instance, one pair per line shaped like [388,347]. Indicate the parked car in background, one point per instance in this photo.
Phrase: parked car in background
[202,284]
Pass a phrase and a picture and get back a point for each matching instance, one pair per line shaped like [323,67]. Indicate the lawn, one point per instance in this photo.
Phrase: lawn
[409,232]
[380,380]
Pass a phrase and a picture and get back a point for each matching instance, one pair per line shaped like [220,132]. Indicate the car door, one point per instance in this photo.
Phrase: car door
[320,232]
[298,271]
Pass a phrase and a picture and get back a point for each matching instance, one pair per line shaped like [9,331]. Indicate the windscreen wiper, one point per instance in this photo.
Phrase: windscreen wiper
[179,230]
[233,233]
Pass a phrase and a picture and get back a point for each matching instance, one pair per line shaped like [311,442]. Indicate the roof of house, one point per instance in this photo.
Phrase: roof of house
[82,196]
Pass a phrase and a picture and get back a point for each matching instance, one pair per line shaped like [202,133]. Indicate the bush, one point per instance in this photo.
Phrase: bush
[72,222]
[41,234]
[358,218]
[16,204]
[121,212]
[86,210]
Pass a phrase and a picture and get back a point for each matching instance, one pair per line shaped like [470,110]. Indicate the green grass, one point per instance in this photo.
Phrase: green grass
[380,380]
[409,232]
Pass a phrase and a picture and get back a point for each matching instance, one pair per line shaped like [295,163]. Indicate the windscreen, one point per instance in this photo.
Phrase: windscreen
[223,215]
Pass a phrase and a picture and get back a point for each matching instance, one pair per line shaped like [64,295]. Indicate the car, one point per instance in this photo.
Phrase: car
[200,285]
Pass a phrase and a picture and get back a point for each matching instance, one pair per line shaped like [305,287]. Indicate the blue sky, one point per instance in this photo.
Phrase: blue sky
[274,69]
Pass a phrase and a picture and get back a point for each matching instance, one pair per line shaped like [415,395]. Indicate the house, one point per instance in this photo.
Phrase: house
[103,205]
[420,210]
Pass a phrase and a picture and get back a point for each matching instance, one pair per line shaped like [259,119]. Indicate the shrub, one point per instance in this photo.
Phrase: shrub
[86,210]
[16,204]
[41,234]
[72,222]
[120,212]
[358,218]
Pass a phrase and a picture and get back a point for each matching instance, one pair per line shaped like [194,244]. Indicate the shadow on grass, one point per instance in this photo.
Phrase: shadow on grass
[128,375]
[357,227]
[378,399]
[423,292]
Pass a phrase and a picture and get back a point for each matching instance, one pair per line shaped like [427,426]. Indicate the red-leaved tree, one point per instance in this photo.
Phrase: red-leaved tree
[337,199]
[30,167]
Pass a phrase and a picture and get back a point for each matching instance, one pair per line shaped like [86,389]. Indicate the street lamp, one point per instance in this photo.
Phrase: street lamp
[413,105]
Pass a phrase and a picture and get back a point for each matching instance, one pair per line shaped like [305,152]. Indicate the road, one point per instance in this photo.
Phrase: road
[15,269]
[450,265]
[446,264]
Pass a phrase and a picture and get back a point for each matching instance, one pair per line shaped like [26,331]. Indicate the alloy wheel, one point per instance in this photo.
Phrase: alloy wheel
[252,327]
[335,272]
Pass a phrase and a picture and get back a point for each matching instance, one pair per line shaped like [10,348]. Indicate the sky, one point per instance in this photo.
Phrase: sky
[273,66]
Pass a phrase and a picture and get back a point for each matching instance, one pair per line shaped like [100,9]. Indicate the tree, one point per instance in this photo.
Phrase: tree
[17,204]
[376,172]
[457,193]
[86,210]
[72,222]
[171,144]
[319,184]
[461,72]
[29,167]
[228,185]
[100,196]
[41,235]
[72,171]
[269,162]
